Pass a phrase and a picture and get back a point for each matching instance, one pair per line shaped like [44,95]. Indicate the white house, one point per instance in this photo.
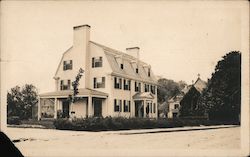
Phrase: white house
[113,84]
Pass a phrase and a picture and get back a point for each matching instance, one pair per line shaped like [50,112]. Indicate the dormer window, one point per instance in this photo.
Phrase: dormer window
[121,66]
[137,70]
[96,62]
[67,65]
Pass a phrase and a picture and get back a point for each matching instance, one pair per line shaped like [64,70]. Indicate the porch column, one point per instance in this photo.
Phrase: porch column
[39,109]
[55,108]
[89,106]
[144,107]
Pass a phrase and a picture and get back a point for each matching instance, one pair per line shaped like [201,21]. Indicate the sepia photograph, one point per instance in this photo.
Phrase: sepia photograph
[124,78]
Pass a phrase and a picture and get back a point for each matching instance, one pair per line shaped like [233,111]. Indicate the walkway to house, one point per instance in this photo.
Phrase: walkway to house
[48,142]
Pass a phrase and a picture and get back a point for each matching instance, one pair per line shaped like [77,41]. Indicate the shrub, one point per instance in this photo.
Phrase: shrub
[121,123]
[13,120]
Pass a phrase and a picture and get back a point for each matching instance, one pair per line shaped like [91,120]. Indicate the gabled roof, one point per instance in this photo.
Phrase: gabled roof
[177,97]
[128,70]
[200,85]
[143,95]
[66,93]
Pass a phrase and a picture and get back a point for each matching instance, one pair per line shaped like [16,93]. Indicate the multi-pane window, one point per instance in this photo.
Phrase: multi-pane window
[152,89]
[126,105]
[176,106]
[65,84]
[146,87]
[126,84]
[118,83]
[96,62]
[137,87]
[117,105]
[67,65]
[99,82]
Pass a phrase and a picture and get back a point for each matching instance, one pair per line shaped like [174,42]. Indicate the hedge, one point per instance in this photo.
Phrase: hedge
[120,123]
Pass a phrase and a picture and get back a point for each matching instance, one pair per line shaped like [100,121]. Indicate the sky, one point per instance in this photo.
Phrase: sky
[178,39]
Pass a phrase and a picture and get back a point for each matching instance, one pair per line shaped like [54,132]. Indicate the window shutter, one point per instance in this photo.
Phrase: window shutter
[124,105]
[94,82]
[103,82]
[93,62]
[115,82]
[61,85]
[68,84]
[120,82]
[114,104]
[71,64]
[120,108]
[64,65]
[129,106]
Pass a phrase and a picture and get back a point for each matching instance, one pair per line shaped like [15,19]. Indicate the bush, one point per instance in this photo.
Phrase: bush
[14,120]
[121,123]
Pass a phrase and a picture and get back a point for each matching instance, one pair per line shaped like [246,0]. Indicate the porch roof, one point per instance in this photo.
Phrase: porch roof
[143,95]
[82,92]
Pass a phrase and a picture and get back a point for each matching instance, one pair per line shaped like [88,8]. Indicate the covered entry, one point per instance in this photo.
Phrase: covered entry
[143,104]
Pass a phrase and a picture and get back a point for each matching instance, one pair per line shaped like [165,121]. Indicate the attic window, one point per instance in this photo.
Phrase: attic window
[136,70]
[148,72]
[67,65]
[96,62]
[121,66]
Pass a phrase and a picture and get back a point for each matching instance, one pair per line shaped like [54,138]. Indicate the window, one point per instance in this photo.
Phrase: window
[99,82]
[136,70]
[126,84]
[126,105]
[148,72]
[137,87]
[146,87]
[154,108]
[121,66]
[117,105]
[152,89]
[65,84]
[176,106]
[118,83]
[96,62]
[67,65]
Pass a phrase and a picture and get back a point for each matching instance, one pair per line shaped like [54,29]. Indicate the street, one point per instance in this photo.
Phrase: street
[48,142]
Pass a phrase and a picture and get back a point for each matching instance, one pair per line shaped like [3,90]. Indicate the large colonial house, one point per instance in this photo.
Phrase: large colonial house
[113,84]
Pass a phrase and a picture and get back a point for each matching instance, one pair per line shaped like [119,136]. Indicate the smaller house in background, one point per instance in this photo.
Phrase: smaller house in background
[174,103]
[189,105]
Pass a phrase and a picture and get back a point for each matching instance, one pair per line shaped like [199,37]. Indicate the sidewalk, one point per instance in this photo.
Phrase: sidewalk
[191,128]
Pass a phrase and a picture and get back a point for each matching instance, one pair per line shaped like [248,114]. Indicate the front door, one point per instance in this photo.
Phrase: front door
[97,107]
[65,109]
[139,109]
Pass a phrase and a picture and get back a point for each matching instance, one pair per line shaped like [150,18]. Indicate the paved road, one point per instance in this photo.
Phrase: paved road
[46,142]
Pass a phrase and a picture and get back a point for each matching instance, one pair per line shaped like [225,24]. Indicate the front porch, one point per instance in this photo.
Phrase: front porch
[55,105]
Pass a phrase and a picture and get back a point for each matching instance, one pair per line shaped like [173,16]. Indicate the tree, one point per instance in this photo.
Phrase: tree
[168,88]
[75,84]
[221,99]
[21,100]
